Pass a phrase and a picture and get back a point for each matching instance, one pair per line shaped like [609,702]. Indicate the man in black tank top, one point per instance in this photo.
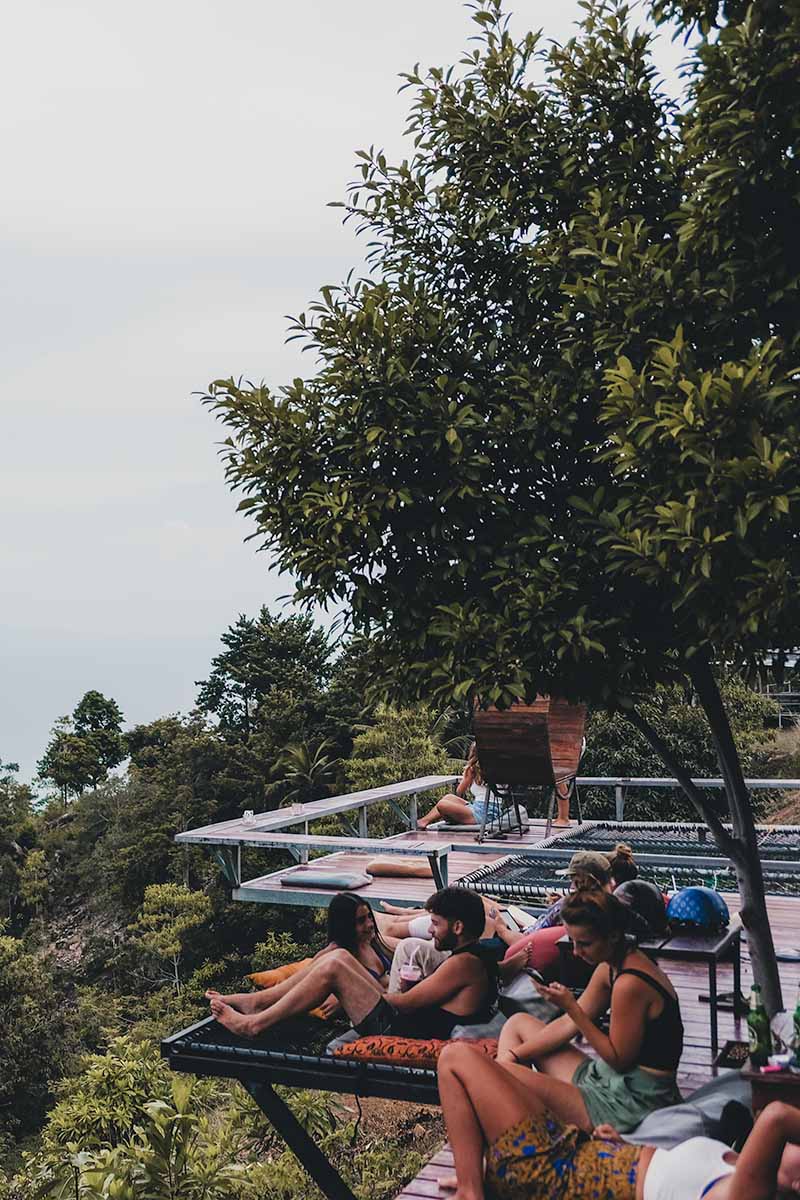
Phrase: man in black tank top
[462,991]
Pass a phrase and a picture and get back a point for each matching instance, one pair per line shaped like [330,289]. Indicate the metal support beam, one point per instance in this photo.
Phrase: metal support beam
[439,871]
[311,1158]
[230,862]
[362,821]
[619,802]
[399,812]
[413,814]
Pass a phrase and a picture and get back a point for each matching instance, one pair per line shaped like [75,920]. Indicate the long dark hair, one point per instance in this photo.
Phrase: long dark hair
[342,912]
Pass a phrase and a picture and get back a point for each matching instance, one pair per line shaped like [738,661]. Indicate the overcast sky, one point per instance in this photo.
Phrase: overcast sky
[166,172]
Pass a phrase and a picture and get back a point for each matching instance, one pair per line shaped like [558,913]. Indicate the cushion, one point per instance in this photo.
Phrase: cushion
[476,1032]
[544,954]
[405,1052]
[401,868]
[336,881]
[698,1116]
[266,979]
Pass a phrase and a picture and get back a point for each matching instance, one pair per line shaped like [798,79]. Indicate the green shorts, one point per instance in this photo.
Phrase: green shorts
[623,1100]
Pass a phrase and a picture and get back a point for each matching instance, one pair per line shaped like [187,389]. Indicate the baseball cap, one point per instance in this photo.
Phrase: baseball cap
[588,862]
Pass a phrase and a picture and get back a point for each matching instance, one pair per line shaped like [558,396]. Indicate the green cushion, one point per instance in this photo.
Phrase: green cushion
[337,881]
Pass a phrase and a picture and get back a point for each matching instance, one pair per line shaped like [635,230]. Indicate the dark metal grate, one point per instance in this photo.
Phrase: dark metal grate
[292,1046]
[523,877]
[678,839]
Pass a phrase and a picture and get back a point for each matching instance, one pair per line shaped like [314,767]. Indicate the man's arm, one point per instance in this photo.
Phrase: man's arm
[446,982]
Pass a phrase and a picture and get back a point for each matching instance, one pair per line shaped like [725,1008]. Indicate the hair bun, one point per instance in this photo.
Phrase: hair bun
[623,850]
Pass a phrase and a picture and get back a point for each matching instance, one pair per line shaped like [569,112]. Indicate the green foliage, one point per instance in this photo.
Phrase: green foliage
[17,834]
[35,1035]
[401,744]
[263,658]
[34,881]
[277,949]
[169,915]
[305,771]
[615,748]
[161,1147]
[84,747]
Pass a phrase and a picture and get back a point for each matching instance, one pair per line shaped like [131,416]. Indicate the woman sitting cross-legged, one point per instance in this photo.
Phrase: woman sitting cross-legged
[352,928]
[505,1143]
[637,1060]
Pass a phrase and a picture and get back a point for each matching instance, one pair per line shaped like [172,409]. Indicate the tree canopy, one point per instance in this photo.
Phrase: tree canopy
[550,444]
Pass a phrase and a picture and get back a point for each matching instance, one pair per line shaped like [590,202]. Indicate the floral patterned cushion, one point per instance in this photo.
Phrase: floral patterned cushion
[407,1052]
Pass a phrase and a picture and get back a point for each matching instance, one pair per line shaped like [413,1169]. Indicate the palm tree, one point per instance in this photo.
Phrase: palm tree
[305,771]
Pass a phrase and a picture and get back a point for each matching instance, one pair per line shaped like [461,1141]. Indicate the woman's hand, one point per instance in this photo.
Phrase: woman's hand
[562,997]
[606,1133]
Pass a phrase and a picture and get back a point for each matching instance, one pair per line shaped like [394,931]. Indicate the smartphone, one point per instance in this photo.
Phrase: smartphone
[535,975]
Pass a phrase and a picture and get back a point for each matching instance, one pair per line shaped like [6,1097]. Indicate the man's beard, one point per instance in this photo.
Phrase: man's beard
[447,941]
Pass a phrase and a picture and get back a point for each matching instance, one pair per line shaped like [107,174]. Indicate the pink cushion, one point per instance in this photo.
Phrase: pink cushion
[544,948]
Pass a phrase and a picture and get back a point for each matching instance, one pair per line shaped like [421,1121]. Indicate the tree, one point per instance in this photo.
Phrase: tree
[83,748]
[34,1035]
[168,915]
[305,771]
[99,722]
[268,655]
[16,832]
[402,743]
[550,443]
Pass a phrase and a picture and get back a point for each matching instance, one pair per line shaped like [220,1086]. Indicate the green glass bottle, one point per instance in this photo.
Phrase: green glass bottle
[796,1037]
[758,1027]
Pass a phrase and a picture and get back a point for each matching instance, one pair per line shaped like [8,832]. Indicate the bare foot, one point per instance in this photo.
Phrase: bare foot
[558,823]
[244,1002]
[395,909]
[449,1183]
[237,1022]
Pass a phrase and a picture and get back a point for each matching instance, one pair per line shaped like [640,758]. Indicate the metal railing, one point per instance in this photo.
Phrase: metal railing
[621,784]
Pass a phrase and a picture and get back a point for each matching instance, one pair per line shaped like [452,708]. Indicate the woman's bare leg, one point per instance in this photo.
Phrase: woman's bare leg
[480,1101]
[338,973]
[450,808]
[551,1082]
[250,1002]
[562,821]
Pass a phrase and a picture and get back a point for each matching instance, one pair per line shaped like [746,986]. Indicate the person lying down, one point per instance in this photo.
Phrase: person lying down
[460,991]
[506,1144]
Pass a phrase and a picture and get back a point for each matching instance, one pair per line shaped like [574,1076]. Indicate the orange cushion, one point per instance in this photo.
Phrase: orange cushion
[267,979]
[407,1052]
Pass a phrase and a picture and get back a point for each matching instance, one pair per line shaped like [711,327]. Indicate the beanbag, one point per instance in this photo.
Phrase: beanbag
[405,1052]
[544,949]
[340,882]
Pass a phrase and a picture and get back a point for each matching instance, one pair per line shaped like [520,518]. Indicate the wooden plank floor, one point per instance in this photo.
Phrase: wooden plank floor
[689,980]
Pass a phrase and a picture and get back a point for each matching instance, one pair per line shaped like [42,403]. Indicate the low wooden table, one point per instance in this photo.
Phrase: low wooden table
[773,1085]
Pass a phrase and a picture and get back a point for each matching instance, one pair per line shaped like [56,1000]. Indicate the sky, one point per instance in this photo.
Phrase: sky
[167,168]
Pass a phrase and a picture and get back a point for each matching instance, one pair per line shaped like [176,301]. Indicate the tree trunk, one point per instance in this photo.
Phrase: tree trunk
[742,846]
[747,860]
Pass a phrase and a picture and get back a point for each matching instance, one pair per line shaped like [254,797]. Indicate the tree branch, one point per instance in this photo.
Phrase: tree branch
[724,840]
